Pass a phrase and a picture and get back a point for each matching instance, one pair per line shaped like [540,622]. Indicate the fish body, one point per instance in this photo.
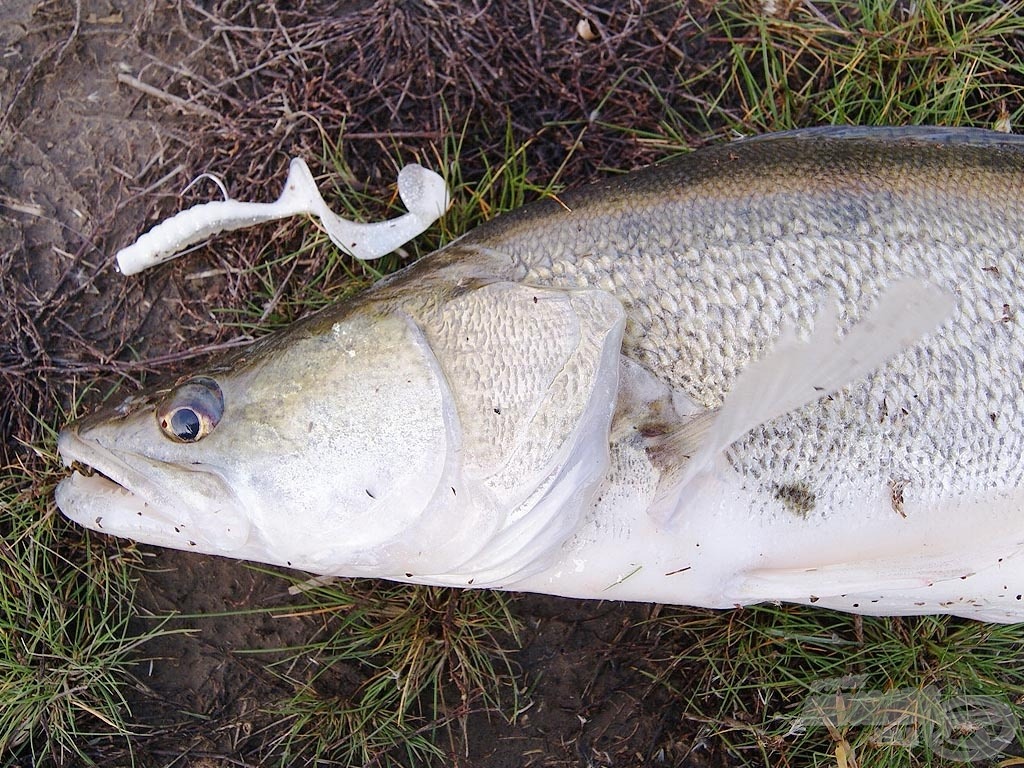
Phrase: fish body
[787,368]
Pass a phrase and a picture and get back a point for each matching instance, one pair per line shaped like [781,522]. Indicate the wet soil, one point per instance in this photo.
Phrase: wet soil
[108,110]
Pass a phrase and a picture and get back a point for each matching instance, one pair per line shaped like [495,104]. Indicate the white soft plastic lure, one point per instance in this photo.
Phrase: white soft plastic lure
[423,192]
[788,368]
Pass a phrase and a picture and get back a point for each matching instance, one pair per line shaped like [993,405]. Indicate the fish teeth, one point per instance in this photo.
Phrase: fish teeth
[82,469]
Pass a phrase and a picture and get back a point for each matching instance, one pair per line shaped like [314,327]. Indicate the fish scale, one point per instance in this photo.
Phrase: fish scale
[780,241]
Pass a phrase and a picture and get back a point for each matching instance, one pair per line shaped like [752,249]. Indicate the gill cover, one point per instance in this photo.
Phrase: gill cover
[346,435]
[533,375]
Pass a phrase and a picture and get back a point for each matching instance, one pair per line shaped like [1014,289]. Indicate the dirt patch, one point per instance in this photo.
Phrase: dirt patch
[106,111]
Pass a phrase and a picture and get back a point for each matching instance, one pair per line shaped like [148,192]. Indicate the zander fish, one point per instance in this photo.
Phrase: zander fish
[784,368]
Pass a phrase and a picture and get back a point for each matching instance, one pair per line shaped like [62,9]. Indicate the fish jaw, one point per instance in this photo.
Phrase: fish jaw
[91,499]
[110,494]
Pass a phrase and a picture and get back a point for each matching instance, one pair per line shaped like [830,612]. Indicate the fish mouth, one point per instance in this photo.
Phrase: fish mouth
[128,494]
[104,492]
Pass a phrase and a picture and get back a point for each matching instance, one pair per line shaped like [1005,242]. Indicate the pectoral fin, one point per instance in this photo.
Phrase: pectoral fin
[795,373]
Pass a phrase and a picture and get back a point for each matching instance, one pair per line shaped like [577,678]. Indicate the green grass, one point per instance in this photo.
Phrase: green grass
[880,684]
[870,62]
[425,660]
[66,646]
[428,658]
[941,64]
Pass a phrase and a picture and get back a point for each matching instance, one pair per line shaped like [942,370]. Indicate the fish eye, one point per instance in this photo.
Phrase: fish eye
[190,411]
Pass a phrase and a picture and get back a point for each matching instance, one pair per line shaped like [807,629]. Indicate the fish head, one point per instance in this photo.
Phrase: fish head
[318,448]
[450,440]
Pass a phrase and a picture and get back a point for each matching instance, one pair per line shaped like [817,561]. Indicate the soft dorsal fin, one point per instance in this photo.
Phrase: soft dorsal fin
[795,373]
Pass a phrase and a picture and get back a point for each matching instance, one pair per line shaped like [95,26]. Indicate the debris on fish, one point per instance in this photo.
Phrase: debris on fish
[784,368]
[423,192]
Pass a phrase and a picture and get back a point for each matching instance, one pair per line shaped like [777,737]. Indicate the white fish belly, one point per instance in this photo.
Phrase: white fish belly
[865,556]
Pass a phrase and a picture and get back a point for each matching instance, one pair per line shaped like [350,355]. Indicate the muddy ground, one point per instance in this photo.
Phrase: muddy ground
[108,109]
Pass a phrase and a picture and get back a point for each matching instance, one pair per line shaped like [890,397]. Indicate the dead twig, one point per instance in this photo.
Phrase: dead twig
[170,98]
